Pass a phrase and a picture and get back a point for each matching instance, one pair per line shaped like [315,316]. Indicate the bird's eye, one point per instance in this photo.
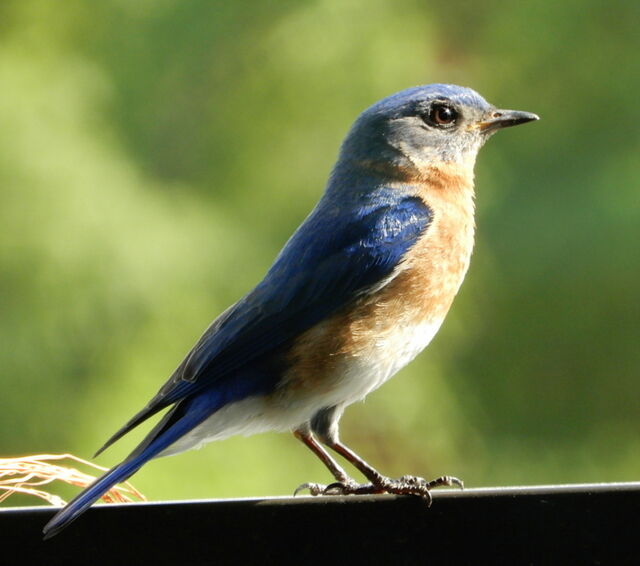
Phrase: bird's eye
[443,114]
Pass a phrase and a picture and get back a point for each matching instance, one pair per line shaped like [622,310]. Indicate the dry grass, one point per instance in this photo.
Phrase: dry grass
[29,474]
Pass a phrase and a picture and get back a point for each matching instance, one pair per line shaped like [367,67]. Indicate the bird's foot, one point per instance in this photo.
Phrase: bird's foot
[346,487]
[414,485]
[406,485]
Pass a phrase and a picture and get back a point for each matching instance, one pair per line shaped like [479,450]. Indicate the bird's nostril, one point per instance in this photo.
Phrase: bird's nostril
[496,115]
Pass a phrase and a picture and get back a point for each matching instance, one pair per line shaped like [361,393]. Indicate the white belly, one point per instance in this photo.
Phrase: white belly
[386,355]
[354,378]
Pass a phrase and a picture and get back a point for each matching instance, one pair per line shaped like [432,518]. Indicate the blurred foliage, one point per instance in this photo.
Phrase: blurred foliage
[155,155]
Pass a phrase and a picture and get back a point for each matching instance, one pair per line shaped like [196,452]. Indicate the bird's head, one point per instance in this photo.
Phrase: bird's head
[425,126]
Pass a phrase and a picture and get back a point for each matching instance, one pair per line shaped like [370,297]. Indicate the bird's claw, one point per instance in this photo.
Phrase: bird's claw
[314,488]
[446,481]
[414,485]
[348,487]
[406,485]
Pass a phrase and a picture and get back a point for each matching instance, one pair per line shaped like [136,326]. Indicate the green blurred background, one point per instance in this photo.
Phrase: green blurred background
[155,156]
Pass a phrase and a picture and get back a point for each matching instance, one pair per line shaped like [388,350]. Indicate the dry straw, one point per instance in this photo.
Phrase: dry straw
[29,474]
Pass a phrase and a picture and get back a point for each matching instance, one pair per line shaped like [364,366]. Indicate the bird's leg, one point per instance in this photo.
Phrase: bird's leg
[324,424]
[342,479]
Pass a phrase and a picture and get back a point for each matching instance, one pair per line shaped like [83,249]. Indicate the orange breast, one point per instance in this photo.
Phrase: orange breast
[418,296]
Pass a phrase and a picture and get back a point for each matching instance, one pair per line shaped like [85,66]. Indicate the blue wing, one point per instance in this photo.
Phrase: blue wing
[338,254]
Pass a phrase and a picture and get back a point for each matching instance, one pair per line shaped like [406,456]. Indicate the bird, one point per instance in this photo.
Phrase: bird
[359,289]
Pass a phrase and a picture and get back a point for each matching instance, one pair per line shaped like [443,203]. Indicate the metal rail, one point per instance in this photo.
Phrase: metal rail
[570,524]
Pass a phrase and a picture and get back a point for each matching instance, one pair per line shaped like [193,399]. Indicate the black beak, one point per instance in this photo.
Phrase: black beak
[499,119]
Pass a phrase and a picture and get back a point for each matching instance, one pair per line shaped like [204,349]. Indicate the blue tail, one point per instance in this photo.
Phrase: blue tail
[81,502]
[177,422]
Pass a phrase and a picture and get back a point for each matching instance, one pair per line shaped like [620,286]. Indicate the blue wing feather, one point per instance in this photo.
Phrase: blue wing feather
[322,268]
[339,253]
[318,272]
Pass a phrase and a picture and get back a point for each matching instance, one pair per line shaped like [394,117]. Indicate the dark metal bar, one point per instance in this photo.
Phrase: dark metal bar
[574,524]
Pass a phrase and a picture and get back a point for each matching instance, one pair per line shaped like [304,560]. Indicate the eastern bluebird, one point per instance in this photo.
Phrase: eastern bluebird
[357,292]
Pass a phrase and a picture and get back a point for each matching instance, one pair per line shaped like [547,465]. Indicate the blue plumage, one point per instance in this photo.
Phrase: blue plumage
[174,425]
[324,266]
[332,258]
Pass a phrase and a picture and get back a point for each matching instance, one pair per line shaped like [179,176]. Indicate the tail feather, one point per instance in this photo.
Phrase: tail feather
[83,501]
[132,423]
[178,421]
